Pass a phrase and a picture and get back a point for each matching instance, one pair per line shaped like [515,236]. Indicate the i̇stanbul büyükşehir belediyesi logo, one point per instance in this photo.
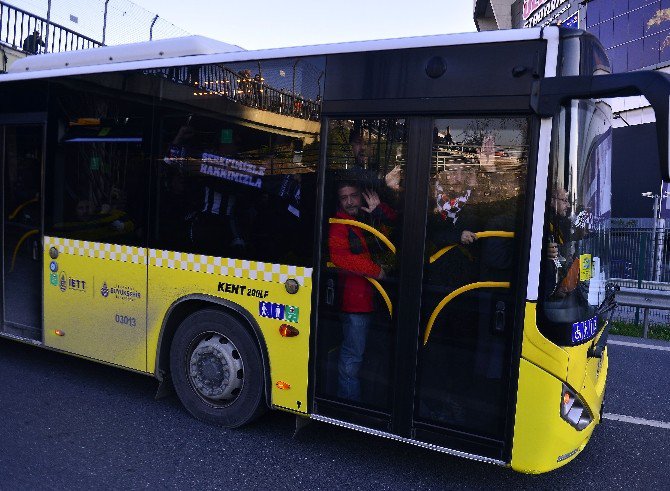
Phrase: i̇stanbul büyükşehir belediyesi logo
[120,291]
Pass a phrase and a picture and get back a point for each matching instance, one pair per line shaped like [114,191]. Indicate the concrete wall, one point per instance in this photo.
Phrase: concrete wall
[8,56]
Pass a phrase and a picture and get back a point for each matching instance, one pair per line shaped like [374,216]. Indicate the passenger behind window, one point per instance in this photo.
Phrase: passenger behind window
[361,168]
[106,224]
[232,199]
[456,217]
[352,252]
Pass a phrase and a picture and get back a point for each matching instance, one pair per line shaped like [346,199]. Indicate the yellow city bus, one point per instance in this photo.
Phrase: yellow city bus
[407,237]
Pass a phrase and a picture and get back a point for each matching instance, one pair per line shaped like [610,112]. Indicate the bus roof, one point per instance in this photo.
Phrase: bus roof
[193,50]
[106,55]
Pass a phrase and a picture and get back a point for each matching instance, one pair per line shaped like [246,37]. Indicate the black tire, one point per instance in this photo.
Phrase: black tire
[217,369]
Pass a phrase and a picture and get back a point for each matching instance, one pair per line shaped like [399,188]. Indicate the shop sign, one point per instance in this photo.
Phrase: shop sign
[543,11]
[571,22]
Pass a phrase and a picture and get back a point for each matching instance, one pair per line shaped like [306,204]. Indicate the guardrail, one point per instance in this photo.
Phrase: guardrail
[635,297]
[646,299]
[16,27]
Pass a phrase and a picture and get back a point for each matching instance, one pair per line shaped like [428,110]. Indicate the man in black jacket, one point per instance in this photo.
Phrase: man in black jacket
[33,42]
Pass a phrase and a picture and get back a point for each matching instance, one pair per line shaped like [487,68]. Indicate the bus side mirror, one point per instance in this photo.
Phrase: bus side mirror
[549,94]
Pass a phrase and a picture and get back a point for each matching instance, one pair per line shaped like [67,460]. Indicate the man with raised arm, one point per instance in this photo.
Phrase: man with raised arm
[350,252]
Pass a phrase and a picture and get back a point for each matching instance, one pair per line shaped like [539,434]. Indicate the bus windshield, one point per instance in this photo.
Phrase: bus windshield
[574,296]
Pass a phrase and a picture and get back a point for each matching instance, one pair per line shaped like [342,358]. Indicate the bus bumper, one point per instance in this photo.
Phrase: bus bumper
[543,440]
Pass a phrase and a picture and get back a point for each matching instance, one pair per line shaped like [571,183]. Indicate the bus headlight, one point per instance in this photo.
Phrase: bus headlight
[573,410]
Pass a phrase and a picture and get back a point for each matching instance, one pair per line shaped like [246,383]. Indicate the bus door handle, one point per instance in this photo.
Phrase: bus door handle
[330,292]
[499,317]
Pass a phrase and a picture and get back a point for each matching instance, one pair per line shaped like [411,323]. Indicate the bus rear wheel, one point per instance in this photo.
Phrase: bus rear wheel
[217,369]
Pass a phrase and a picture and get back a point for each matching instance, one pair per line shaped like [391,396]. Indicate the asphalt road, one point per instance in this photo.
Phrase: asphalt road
[70,423]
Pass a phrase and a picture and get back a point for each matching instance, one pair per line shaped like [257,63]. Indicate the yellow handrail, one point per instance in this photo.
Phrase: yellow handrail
[365,226]
[13,214]
[383,293]
[16,249]
[455,293]
[479,235]
[440,253]
[379,288]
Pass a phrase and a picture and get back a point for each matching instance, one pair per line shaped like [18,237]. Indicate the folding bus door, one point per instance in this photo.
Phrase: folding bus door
[22,154]
[417,283]
[359,270]
[469,289]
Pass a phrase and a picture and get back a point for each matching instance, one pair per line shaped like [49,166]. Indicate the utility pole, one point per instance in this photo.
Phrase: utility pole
[46,34]
[104,23]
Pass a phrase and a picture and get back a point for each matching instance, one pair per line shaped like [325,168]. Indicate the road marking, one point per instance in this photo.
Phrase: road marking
[637,421]
[639,345]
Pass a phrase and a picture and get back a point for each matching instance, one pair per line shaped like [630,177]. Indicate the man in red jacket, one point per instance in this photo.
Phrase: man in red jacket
[350,253]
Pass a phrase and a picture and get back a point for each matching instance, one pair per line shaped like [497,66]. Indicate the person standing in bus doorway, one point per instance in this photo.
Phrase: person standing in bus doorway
[352,255]
[33,42]
[361,169]
[456,218]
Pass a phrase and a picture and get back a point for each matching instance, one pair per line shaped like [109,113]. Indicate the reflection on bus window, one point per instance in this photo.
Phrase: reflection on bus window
[575,299]
[233,191]
[290,87]
[101,169]
[236,171]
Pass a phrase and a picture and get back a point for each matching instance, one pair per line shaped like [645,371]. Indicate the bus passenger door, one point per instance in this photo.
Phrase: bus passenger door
[470,280]
[418,278]
[22,153]
[359,270]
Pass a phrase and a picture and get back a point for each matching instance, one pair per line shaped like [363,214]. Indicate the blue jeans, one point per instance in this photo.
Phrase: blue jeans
[355,329]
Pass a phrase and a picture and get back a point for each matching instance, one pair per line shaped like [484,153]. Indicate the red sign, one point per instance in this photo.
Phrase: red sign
[530,6]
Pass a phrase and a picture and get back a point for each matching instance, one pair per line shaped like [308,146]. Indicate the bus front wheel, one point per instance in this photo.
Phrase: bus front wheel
[217,369]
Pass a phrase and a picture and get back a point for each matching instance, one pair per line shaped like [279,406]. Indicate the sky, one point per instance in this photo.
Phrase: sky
[257,24]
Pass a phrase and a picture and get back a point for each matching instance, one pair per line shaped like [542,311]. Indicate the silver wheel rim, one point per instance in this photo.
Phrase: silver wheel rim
[215,369]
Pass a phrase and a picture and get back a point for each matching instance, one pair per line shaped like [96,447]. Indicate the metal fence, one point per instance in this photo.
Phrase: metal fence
[640,259]
[33,34]
[641,254]
[72,24]
[217,80]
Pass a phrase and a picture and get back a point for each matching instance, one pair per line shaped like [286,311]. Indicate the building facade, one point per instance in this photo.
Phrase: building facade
[635,35]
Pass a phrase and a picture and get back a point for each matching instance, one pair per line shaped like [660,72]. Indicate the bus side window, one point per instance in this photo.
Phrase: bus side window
[222,191]
[99,171]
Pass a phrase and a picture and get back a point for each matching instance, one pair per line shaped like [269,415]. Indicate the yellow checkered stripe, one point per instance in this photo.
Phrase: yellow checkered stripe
[98,250]
[238,268]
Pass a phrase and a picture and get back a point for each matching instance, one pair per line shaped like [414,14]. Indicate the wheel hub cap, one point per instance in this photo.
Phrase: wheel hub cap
[215,368]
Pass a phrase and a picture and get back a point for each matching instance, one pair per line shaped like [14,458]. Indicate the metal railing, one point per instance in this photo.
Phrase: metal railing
[218,80]
[639,254]
[640,264]
[17,26]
